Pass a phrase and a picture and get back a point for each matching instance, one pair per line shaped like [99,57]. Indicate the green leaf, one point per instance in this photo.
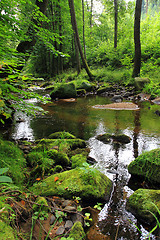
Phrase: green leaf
[3,170]
[5,179]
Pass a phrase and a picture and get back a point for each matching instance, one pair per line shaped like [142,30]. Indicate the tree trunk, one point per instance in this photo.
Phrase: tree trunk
[91,16]
[137,42]
[77,56]
[75,29]
[24,46]
[115,23]
[84,43]
[146,7]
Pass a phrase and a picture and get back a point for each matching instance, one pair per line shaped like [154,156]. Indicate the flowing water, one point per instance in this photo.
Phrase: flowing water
[86,122]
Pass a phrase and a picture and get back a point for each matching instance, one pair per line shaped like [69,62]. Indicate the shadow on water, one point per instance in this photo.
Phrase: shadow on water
[79,118]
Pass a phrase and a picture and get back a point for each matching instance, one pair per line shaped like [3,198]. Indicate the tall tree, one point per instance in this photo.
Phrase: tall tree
[75,29]
[115,22]
[137,42]
[84,42]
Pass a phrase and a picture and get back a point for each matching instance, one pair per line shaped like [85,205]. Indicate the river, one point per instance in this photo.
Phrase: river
[86,122]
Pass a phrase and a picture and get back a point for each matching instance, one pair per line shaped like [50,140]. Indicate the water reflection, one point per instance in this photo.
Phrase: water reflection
[79,118]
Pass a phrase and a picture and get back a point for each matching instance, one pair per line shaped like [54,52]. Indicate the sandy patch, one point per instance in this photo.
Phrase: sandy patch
[118,106]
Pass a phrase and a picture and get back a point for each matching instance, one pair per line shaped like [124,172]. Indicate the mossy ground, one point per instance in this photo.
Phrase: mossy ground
[12,157]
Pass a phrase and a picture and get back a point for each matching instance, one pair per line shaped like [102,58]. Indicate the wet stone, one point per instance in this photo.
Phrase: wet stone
[68,224]
[60,230]
[70,209]
[52,220]
[67,203]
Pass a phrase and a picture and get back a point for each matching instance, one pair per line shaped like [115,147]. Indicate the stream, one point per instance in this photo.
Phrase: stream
[86,122]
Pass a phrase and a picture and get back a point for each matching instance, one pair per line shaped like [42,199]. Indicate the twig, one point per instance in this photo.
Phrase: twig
[117,231]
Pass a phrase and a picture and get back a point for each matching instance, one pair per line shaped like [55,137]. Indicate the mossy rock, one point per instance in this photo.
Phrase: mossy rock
[81,92]
[84,84]
[140,82]
[70,144]
[78,160]
[83,151]
[104,89]
[12,157]
[143,202]
[59,157]
[34,158]
[119,138]
[147,165]
[64,90]
[6,232]
[105,138]
[87,183]
[77,231]
[61,135]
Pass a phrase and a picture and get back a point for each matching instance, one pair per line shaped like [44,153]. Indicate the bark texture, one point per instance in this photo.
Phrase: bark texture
[137,42]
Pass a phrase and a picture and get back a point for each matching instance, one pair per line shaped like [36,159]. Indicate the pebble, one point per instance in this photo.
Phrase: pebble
[60,230]
[68,224]
[52,220]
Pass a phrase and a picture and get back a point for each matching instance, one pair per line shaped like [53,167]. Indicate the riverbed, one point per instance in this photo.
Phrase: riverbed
[80,118]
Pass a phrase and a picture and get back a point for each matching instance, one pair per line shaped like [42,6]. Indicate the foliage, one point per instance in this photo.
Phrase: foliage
[12,157]
[4,179]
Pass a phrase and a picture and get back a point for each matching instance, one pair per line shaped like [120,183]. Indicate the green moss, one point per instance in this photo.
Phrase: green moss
[59,157]
[105,138]
[41,205]
[6,232]
[120,138]
[78,160]
[61,135]
[85,183]
[84,84]
[12,157]
[147,165]
[69,144]
[64,90]
[142,203]
[77,231]
[57,169]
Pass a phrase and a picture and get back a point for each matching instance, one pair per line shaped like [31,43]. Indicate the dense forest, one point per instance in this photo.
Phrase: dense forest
[70,49]
[111,40]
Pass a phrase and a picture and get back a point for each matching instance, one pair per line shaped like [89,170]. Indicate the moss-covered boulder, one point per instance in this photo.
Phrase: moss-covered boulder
[78,160]
[77,231]
[87,183]
[84,84]
[105,138]
[63,144]
[61,135]
[147,165]
[12,157]
[59,157]
[6,232]
[143,202]
[64,90]
[140,82]
[119,138]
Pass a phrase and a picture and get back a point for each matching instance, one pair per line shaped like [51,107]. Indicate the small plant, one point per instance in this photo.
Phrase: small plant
[98,206]
[4,179]
[87,219]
